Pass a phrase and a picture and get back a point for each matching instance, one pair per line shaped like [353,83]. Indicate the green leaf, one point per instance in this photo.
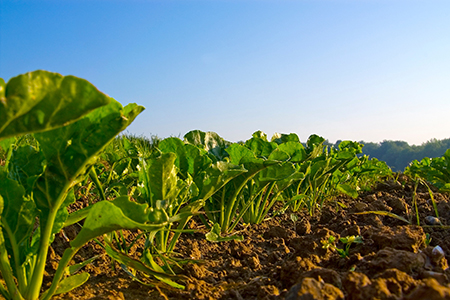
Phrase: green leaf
[296,151]
[215,235]
[5,268]
[139,266]
[348,190]
[160,178]
[384,213]
[281,138]
[41,100]
[240,155]
[70,270]
[177,146]
[17,218]
[215,177]
[107,216]
[158,268]
[260,134]
[69,283]
[26,164]
[210,141]
[260,147]
[276,172]
[71,149]
[2,89]
[77,216]
[279,155]
[6,144]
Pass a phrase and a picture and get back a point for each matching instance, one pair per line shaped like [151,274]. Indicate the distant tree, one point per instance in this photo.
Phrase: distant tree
[399,154]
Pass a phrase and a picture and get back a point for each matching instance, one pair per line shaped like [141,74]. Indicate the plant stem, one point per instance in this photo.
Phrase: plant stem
[34,288]
[229,209]
[5,269]
[66,258]
[94,178]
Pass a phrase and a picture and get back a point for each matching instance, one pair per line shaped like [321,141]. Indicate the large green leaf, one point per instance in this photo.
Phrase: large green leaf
[295,150]
[276,172]
[210,141]
[241,155]
[281,138]
[177,146]
[26,165]
[191,159]
[108,216]
[260,147]
[41,100]
[17,217]
[70,150]
[159,179]
[216,176]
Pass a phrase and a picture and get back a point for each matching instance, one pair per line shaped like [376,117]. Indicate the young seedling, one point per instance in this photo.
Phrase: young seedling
[294,218]
[348,241]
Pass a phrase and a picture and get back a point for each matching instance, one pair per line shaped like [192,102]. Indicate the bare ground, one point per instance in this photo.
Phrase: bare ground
[280,259]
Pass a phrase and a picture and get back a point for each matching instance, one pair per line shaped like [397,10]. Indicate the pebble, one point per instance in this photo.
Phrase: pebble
[437,254]
[432,220]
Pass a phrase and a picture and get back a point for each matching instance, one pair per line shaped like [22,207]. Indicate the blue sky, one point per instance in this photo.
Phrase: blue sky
[354,69]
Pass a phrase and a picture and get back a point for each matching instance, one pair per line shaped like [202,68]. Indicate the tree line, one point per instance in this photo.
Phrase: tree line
[398,154]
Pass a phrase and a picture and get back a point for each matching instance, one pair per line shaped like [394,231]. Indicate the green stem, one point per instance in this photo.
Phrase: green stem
[21,277]
[44,243]
[6,271]
[177,234]
[230,207]
[66,258]
[268,192]
[251,209]
[161,241]
[222,208]
[265,209]
[94,178]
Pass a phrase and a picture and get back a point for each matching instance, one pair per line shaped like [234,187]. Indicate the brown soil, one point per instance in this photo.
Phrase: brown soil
[282,260]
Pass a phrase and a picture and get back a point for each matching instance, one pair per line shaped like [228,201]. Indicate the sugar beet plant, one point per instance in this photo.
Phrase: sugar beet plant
[433,170]
[244,195]
[175,180]
[72,122]
[282,169]
[328,172]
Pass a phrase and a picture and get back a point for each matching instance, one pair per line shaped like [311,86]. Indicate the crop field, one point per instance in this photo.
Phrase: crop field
[87,213]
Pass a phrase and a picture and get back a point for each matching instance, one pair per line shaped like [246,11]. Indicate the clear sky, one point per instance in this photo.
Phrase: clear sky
[349,70]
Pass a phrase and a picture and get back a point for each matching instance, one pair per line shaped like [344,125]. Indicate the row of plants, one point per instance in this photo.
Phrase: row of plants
[59,137]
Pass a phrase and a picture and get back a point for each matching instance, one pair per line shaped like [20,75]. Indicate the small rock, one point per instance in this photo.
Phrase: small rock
[432,220]
[437,254]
